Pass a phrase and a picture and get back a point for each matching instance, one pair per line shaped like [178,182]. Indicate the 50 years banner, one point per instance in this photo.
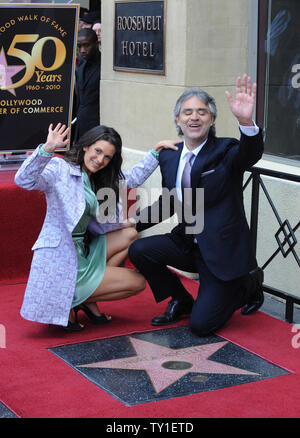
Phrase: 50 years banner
[37,65]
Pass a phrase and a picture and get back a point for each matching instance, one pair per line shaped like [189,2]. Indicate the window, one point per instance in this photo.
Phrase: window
[278,109]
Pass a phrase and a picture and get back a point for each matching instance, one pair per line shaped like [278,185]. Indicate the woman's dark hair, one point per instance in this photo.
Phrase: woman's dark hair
[109,176]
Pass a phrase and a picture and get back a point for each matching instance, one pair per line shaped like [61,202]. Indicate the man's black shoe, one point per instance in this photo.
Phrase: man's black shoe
[257,298]
[174,311]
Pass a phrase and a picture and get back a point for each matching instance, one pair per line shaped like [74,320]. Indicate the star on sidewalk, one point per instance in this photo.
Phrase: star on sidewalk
[167,365]
[7,71]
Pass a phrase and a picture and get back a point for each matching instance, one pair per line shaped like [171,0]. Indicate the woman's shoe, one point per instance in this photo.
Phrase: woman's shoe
[95,319]
[73,327]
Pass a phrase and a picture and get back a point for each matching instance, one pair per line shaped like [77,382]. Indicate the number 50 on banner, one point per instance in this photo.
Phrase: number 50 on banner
[34,59]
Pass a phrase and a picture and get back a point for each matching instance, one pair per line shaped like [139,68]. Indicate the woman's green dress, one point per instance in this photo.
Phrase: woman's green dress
[91,267]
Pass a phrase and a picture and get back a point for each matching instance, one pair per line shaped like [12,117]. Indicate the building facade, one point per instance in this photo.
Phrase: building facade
[207,44]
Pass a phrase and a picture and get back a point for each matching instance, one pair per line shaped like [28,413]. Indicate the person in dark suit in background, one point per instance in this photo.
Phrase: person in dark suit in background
[221,250]
[87,20]
[82,13]
[87,84]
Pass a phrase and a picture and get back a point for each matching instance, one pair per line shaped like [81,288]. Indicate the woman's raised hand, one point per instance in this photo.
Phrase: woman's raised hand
[165,144]
[56,137]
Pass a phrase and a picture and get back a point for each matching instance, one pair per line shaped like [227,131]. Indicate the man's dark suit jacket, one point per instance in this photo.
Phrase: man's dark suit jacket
[87,96]
[225,242]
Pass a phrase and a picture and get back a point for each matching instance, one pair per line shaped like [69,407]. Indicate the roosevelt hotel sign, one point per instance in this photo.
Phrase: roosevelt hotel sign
[139,38]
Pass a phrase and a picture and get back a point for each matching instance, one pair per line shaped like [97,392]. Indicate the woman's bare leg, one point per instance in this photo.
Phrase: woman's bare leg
[117,244]
[117,284]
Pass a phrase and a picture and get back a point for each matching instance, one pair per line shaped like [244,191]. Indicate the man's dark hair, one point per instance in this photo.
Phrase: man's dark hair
[88,33]
[202,95]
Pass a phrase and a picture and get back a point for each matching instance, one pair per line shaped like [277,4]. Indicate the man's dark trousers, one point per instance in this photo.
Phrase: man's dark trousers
[216,301]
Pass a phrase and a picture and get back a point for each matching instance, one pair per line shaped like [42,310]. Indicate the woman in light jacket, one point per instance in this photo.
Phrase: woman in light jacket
[67,272]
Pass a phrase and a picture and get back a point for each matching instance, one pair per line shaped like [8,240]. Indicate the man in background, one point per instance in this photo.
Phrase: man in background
[87,84]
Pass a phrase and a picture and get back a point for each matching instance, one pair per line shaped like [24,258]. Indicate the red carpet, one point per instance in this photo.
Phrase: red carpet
[22,213]
[37,384]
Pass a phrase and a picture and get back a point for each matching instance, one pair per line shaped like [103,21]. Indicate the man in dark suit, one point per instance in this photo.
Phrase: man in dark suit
[214,238]
[87,82]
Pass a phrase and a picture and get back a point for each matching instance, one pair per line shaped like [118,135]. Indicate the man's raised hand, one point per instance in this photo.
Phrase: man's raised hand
[243,105]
